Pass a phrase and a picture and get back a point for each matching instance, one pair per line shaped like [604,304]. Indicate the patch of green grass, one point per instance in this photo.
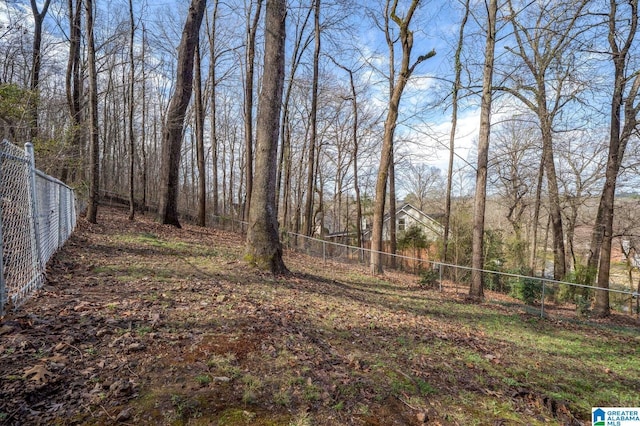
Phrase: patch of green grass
[339,406]
[13,377]
[224,365]
[252,387]
[424,387]
[282,397]
[311,392]
[143,330]
[302,418]
[203,379]
[235,416]
[185,408]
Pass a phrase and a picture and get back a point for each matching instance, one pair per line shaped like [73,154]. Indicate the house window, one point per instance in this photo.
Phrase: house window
[401,224]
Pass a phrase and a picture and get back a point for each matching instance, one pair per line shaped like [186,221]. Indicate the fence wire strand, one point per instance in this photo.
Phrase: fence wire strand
[37,216]
[534,291]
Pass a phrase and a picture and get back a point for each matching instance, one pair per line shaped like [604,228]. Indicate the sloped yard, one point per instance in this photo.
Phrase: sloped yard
[146,324]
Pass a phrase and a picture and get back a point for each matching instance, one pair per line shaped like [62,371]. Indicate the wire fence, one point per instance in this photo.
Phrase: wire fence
[37,216]
[535,294]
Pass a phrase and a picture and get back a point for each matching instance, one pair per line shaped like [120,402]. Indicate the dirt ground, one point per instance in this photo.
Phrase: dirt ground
[140,323]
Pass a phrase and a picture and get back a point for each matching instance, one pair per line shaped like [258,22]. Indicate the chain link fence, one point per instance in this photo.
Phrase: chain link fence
[37,216]
[536,294]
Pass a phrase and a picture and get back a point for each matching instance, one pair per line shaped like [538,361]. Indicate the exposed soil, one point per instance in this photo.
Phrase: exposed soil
[141,323]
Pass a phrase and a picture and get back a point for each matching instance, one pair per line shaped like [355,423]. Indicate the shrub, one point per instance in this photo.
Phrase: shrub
[578,295]
[529,290]
[429,279]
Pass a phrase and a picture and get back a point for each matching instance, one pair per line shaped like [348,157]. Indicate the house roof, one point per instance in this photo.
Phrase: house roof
[421,217]
[418,216]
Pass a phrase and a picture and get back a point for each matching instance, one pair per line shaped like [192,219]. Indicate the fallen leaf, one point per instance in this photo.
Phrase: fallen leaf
[39,373]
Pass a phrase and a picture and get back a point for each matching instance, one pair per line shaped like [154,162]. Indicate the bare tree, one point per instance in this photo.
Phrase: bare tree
[405,71]
[476,290]
[213,103]
[174,121]
[199,127]
[263,246]
[38,18]
[619,23]
[422,183]
[311,158]
[73,83]
[355,151]
[457,83]
[582,162]
[250,55]
[515,147]
[131,112]
[545,46]
[94,143]
[300,44]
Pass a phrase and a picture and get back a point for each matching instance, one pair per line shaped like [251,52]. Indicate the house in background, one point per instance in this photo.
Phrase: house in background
[406,217]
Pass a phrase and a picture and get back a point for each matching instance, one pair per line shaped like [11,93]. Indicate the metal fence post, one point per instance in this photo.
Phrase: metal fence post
[28,147]
[324,252]
[61,219]
[440,272]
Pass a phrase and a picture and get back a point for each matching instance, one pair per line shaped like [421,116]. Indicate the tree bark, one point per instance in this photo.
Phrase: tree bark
[213,106]
[476,290]
[132,75]
[143,127]
[199,119]
[555,210]
[252,29]
[94,143]
[393,226]
[174,121]
[263,244]
[536,217]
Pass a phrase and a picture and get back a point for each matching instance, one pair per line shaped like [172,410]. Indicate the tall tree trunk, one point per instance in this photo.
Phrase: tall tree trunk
[199,119]
[174,121]
[213,105]
[132,152]
[559,265]
[600,253]
[311,160]
[476,290]
[71,172]
[406,69]
[252,29]
[354,139]
[143,127]
[36,63]
[393,225]
[536,218]
[94,143]
[284,162]
[452,134]
[263,245]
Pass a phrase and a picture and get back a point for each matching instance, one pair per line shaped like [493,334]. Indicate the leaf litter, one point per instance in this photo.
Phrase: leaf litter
[141,323]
